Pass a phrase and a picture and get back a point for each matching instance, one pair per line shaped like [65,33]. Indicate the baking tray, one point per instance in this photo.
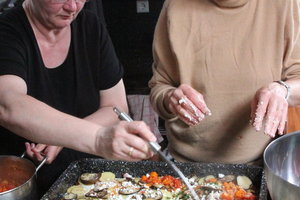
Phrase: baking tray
[75,169]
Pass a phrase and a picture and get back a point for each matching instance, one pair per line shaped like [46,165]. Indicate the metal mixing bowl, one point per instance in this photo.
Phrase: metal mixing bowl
[282,167]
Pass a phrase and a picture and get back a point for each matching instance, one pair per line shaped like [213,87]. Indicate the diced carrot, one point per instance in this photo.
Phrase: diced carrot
[226,196]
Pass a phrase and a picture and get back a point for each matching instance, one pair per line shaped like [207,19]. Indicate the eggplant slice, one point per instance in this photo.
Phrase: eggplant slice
[97,194]
[89,178]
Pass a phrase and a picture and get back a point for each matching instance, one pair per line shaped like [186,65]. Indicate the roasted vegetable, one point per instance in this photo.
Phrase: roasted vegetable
[89,178]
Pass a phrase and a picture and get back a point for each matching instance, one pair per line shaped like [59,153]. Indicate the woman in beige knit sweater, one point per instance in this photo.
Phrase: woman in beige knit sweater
[217,65]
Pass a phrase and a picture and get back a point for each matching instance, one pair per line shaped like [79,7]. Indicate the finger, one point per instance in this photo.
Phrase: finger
[38,155]
[51,153]
[272,119]
[274,128]
[260,112]
[182,107]
[141,148]
[136,154]
[253,110]
[123,152]
[141,129]
[283,121]
[186,117]
[40,147]
[173,102]
[195,113]
[32,145]
[196,98]
[29,152]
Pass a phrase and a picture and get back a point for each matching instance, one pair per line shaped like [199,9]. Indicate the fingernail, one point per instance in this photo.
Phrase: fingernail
[200,119]
[280,131]
[208,113]
[188,117]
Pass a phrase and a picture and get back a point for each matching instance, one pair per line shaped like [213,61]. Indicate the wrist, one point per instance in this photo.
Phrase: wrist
[286,86]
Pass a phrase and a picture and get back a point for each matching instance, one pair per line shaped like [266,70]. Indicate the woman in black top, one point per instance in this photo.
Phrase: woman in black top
[59,79]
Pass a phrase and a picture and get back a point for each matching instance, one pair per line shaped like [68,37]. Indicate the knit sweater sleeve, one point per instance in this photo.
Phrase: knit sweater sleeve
[165,69]
[291,61]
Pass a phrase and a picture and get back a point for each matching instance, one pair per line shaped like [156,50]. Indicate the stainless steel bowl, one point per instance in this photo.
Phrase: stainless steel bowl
[282,167]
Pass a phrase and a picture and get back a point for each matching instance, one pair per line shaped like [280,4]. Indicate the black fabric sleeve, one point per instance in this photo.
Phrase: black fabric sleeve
[12,47]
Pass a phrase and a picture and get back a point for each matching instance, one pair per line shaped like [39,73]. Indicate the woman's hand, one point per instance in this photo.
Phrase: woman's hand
[126,141]
[186,103]
[39,151]
[269,109]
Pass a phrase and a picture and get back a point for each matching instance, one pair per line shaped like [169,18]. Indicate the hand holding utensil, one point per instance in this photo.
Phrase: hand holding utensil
[156,148]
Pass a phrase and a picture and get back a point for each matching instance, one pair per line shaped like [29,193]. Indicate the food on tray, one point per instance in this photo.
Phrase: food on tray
[97,186]
[89,178]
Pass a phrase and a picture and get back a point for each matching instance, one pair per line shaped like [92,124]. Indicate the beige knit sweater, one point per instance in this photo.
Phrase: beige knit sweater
[227,50]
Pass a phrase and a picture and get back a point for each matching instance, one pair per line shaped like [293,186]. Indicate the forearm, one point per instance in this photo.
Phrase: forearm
[105,116]
[36,121]
[113,97]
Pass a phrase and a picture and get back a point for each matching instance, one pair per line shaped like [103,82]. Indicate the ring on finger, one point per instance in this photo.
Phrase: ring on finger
[182,100]
[130,151]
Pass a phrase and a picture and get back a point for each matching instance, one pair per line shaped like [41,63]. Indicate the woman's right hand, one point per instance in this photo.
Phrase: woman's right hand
[125,141]
[186,103]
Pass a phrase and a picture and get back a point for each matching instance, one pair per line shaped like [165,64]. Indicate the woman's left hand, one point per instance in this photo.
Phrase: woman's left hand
[39,151]
[269,109]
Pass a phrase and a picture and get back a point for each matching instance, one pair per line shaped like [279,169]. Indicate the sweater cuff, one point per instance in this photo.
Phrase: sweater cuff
[160,106]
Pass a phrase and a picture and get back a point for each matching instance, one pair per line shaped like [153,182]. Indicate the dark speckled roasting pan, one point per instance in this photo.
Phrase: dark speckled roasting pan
[71,174]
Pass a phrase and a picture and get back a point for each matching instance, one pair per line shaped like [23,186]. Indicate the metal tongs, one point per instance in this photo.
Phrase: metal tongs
[156,148]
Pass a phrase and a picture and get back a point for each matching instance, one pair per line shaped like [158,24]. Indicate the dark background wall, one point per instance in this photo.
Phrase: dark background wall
[132,36]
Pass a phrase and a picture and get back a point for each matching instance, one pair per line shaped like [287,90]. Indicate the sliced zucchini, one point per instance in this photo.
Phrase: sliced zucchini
[107,176]
[69,196]
[78,190]
[167,195]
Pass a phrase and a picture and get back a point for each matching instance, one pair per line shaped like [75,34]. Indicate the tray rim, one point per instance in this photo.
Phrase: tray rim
[263,191]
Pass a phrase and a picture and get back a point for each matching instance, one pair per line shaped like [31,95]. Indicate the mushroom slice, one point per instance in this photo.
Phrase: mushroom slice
[151,194]
[244,182]
[89,178]
[99,194]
